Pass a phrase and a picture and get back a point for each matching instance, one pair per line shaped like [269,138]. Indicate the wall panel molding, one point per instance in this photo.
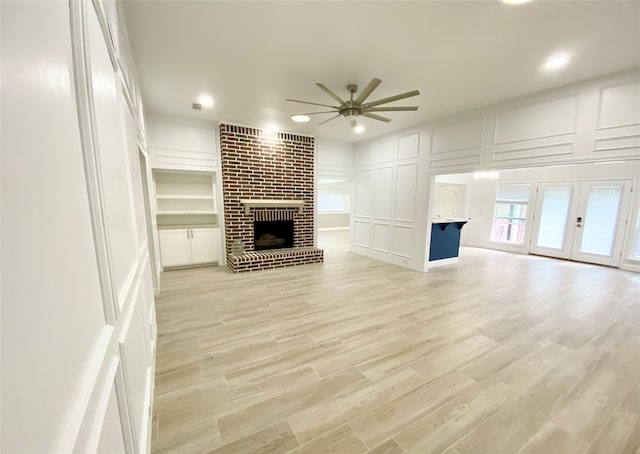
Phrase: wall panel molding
[401,242]
[381,237]
[543,151]
[409,146]
[631,142]
[405,196]
[460,136]
[73,422]
[619,105]
[361,233]
[536,121]
[382,197]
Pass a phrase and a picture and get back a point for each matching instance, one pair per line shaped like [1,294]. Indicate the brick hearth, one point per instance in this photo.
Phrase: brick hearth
[261,164]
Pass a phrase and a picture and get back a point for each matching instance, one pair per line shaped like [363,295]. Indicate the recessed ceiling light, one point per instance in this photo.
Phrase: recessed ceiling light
[205,101]
[515,2]
[359,129]
[556,61]
[300,118]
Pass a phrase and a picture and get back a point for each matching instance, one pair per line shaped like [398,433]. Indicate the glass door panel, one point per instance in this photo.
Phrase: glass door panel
[602,212]
[600,220]
[553,217]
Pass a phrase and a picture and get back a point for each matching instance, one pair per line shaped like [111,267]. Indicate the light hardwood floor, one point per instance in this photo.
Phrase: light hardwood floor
[499,354]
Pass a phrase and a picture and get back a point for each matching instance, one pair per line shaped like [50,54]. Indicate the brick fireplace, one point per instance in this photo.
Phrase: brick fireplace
[267,176]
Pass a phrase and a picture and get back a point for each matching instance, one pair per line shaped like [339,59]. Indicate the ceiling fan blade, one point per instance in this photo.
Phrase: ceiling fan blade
[330,93]
[327,121]
[314,113]
[312,103]
[376,117]
[392,109]
[408,94]
[364,94]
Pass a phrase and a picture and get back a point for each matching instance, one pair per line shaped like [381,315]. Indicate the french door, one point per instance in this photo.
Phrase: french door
[582,221]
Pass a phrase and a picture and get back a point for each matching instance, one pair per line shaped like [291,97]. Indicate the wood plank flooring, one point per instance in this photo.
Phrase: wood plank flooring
[500,354]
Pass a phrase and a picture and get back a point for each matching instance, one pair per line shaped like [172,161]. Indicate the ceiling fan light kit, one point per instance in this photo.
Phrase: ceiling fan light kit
[354,108]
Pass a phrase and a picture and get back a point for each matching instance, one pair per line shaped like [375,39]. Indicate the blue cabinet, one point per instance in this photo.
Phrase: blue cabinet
[445,239]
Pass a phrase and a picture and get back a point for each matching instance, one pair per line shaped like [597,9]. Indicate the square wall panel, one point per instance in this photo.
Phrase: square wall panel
[381,237]
[361,233]
[402,239]
[383,190]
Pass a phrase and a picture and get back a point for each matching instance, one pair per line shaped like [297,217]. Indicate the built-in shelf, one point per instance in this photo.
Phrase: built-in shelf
[160,213]
[184,197]
[271,203]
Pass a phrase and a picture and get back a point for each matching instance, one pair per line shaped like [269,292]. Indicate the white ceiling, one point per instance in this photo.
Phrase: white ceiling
[250,56]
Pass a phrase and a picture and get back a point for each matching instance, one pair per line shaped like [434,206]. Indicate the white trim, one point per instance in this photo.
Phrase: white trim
[328,229]
[73,421]
[630,267]
[442,262]
[271,203]
[91,161]
[101,410]
[145,439]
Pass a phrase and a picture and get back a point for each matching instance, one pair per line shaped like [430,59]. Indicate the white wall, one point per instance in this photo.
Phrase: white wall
[593,121]
[180,143]
[389,217]
[78,319]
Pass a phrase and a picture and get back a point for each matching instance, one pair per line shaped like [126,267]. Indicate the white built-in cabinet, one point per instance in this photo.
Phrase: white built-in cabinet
[187,218]
[183,247]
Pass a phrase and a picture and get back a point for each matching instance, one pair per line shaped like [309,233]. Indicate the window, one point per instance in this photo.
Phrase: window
[331,200]
[512,202]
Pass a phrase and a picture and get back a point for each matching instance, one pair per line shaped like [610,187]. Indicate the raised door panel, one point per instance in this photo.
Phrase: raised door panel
[175,247]
[205,245]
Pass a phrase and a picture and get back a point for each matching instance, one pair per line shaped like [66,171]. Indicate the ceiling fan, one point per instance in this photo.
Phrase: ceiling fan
[354,108]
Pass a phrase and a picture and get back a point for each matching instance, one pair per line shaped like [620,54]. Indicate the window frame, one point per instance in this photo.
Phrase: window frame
[523,221]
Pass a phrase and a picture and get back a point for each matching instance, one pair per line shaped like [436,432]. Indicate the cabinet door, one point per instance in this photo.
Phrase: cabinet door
[205,245]
[175,247]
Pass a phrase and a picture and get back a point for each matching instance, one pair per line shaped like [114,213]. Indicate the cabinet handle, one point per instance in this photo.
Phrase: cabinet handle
[188,233]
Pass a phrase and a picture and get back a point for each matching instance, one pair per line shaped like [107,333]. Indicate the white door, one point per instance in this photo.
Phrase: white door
[175,247]
[205,245]
[581,221]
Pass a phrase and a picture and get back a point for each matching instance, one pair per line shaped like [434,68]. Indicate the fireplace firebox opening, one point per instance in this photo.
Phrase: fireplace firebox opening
[272,234]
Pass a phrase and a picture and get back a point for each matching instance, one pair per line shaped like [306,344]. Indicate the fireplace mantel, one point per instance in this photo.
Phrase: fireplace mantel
[271,203]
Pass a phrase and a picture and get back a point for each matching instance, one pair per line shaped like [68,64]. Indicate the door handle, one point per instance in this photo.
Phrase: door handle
[579,221]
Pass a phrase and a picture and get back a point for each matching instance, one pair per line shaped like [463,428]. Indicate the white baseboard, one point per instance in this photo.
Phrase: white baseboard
[328,229]
[442,262]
